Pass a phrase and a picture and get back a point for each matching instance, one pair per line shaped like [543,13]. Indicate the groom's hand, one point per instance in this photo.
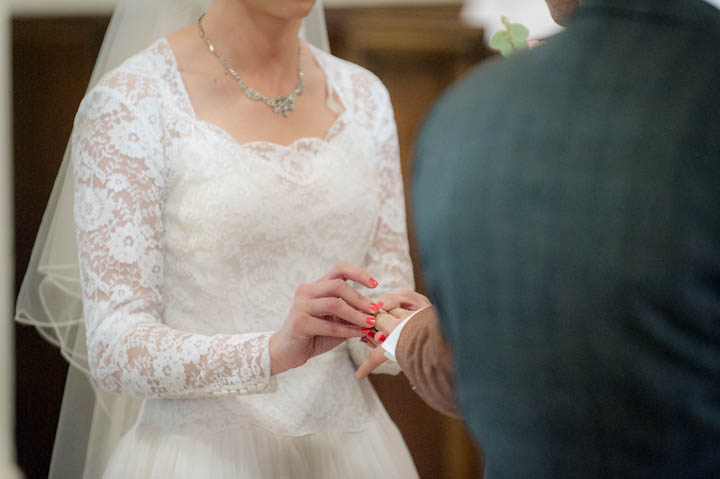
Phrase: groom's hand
[385,324]
[399,306]
[406,299]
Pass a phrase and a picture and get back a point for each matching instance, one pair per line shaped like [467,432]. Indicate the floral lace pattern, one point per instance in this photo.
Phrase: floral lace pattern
[191,246]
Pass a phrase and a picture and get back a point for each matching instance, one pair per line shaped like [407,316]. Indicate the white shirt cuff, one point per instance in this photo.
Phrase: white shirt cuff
[390,344]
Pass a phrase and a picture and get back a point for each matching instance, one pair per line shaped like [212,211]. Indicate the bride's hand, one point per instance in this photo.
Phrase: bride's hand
[323,315]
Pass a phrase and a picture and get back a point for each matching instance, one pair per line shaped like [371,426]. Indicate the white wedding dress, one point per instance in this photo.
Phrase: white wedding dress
[191,246]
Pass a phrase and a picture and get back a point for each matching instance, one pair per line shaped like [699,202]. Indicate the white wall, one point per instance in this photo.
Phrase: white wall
[53,7]
[7,447]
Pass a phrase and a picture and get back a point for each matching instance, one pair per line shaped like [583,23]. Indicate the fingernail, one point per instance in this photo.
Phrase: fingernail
[370,321]
[364,340]
[371,334]
[381,338]
[380,304]
[373,282]
[374,307]
[365,330]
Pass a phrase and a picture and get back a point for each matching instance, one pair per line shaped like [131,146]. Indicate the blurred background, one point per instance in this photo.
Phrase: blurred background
[416,47]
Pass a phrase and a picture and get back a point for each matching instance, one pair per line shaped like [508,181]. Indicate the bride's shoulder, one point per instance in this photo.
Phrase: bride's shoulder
[359,81]
[123,108]
[137,79]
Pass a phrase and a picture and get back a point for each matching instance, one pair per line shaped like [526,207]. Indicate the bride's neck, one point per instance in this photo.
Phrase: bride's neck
[253,40]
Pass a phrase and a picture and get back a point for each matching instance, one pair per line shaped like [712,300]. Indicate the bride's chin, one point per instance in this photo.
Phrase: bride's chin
[301,8]
[287,9]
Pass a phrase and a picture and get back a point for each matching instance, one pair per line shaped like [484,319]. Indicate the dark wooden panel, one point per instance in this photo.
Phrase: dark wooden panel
[52,62]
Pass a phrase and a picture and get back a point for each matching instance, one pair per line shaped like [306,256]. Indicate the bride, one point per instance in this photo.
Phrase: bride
[227,179]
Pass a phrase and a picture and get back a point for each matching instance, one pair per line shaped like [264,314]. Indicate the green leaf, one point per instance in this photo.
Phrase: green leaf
[501,41]
[513,39]
[519,35]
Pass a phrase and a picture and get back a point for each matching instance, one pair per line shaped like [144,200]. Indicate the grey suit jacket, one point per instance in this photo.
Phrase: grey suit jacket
[567,204]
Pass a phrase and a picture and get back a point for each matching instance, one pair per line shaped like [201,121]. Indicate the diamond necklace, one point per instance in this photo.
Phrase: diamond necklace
[283,104]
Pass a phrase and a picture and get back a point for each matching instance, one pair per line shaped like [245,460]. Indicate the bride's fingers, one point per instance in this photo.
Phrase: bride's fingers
[312,326]
[371,338]
[347,271]
[338,308]
[373,360]
[368,342]
[337,288]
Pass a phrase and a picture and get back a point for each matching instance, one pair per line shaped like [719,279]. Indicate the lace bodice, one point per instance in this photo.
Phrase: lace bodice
[191,244]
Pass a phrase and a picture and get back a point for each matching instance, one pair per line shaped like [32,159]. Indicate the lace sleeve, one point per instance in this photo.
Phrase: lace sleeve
[117,153]
[388,258]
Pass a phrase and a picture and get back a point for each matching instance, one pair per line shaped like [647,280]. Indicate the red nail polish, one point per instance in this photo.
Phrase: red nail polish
[371,334]
[365,330]
[381,338]
[374,282]
[380,304]
[370,321]
[364,340]
[374,307]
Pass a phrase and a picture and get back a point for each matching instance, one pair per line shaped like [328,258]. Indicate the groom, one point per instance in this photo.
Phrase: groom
[568,215]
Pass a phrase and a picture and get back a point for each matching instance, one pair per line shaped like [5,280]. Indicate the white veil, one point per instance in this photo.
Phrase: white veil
[50,295]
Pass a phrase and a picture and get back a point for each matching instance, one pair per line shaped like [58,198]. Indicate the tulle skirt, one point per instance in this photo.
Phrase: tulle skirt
[377,451]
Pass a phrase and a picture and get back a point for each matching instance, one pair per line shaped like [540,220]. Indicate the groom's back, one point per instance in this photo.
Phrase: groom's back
[568,213]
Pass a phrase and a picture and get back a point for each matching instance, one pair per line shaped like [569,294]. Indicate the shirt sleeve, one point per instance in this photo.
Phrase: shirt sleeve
[388,257]
[390,344]
[118,166]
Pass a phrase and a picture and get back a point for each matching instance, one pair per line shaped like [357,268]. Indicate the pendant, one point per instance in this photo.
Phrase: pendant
[283,104]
